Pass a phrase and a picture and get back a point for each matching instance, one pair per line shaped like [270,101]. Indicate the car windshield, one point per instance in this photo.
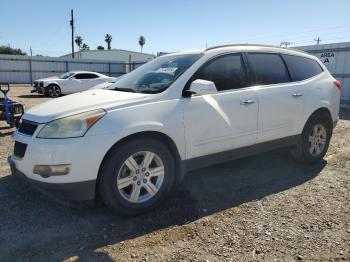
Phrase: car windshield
[66,75]
[156,75]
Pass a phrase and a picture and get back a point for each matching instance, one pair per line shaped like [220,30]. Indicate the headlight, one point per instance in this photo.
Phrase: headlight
[71,126]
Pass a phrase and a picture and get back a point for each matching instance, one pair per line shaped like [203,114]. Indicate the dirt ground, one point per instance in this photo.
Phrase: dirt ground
[262,208]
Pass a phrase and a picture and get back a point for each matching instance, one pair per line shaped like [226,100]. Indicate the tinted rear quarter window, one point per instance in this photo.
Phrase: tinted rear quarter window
[227,72]
[302,68]
[269,68]
[85,76]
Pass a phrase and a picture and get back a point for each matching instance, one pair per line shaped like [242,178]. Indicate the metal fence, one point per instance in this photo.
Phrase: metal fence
[15,69]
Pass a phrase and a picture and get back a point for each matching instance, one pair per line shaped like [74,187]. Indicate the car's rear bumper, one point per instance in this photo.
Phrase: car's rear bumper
[335,122]
[68,193]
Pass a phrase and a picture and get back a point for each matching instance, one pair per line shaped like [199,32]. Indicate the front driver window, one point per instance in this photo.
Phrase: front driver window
[227,72]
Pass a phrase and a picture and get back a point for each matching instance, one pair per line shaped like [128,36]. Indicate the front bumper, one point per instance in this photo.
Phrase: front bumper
[63,192]
[85,155]
[38,89]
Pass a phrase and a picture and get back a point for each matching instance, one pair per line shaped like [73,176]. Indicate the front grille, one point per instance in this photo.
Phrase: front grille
[20,149]
[27,127]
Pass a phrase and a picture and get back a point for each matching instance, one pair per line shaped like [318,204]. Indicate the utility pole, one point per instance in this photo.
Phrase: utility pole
[31,51]
[72,27]
[318,40]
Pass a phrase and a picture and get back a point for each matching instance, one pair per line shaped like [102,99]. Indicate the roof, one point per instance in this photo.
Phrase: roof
[84,72]
[111,50]
[250,45]
[332,47]
[246,48]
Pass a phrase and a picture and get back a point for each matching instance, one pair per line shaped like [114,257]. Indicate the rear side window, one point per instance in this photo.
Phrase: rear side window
[302,68]
[269,68]
[85,76]
[227,72]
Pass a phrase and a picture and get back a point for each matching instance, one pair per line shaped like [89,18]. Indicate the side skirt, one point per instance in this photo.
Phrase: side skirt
[204,161]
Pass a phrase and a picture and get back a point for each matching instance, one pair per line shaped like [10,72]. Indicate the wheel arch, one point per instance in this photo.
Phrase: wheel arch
[320,111]
[150,134]
[46,84]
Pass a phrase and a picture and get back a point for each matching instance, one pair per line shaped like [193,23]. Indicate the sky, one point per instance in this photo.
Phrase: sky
[170,26]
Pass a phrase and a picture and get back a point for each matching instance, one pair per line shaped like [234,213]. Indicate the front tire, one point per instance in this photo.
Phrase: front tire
[53,91]
[314,141]
[136,176]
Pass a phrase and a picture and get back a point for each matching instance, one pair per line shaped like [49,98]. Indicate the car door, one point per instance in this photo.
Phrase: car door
[96,80]
[225,120]
[281,103]
[83,81]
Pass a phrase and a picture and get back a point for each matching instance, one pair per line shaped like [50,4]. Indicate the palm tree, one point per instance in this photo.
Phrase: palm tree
[79,41]
[85,47]
[108,40]
[100,47]
[142,42]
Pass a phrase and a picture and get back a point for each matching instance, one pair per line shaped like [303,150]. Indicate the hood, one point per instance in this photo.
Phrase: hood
[48,78]
[81,102]
[104,85]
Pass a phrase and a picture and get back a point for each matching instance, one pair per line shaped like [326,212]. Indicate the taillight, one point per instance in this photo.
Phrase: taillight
[337,84]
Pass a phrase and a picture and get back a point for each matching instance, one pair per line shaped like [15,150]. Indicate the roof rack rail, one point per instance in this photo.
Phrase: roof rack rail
[260,45]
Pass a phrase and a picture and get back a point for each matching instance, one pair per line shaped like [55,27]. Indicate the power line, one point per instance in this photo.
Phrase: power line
[49,39]
[330,40]
[328,34]
[295,33]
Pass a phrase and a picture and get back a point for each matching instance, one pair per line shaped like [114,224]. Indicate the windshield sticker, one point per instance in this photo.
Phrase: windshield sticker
[167,70]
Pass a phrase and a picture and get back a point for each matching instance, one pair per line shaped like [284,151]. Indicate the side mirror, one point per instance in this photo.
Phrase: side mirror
[202,87]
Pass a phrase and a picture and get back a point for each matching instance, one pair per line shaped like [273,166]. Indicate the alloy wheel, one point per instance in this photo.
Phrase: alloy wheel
[140,177]
[317,140]
[54,91]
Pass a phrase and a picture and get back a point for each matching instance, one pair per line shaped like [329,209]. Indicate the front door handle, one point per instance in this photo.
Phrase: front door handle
[297,94]
[247,102]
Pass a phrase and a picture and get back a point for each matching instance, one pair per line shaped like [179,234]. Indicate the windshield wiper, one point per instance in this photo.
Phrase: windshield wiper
[150,91]
[154,91]
[125,89]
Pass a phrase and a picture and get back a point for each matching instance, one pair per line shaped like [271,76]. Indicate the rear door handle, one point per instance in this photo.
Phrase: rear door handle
[247,102]
[297,94]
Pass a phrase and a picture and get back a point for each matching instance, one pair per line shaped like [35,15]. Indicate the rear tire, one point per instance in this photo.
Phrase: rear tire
[314,141]
[131,177]
[53,91]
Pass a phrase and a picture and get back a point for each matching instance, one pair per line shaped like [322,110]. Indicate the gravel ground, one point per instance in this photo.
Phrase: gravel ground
[265,207]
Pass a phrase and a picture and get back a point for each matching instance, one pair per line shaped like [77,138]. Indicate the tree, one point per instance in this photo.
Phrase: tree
[79,41]
[142,42]
[7,50]
[100,47]
[108,40]
[85,47]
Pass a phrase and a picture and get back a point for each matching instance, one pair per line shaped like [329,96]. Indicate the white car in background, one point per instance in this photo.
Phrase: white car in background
[70,82]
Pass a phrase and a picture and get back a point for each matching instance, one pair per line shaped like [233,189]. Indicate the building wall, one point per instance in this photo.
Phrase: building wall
[114,54]
[336,57]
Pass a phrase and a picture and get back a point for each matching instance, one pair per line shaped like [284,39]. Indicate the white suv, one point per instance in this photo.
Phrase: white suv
[181,111]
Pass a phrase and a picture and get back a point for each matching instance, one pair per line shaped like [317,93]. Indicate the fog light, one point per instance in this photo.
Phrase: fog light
[51,170]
